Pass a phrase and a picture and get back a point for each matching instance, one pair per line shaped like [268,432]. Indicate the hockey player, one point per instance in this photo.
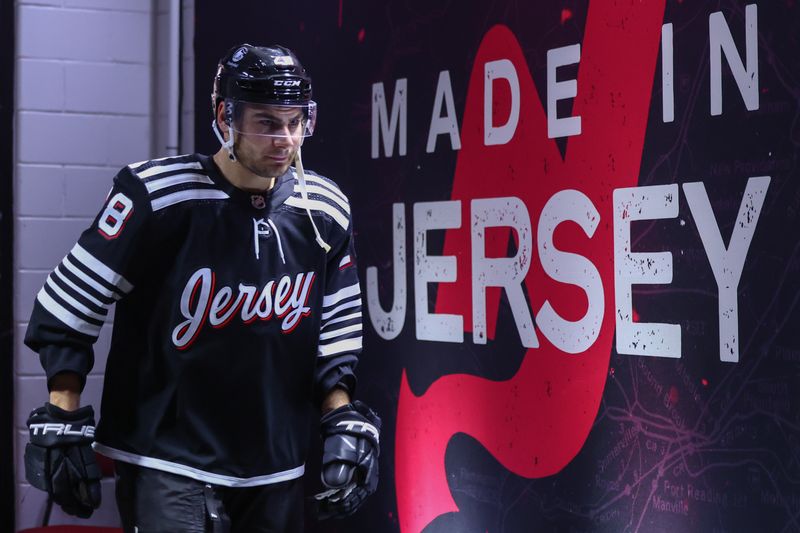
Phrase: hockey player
[238,310]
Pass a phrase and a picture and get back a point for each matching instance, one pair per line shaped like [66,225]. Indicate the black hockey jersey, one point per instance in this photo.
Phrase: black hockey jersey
[230,318]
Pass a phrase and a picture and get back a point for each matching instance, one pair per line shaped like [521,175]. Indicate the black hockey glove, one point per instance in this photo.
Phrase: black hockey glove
[59,458]
[351,437]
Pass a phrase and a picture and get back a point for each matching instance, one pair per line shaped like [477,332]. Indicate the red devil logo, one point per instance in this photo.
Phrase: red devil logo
[547,409]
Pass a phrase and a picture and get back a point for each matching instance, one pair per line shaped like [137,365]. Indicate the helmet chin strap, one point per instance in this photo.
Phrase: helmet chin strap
[298,162]
[228,145]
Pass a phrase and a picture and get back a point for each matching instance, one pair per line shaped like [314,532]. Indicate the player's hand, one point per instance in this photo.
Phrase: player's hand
[59,458]
[351,436]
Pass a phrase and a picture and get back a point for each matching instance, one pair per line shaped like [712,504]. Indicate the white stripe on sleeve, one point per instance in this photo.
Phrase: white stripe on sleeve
[108,293]
[318,205]
[177,179]
[185,196]
[340,319]
[73,302]
[322,191]
[99,268]
[66,281]
[152,171]
[341,294]
[339,332]
[347,345]
[68,318]
[335,190]
[340,308]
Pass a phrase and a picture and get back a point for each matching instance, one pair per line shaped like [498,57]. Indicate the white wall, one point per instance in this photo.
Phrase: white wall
[86,87]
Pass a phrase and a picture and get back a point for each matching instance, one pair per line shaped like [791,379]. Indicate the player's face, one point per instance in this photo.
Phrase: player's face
[268,138]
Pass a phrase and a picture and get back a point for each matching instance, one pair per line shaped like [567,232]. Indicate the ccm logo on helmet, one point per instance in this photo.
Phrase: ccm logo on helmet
[287,83]
[63,429]
[239,54]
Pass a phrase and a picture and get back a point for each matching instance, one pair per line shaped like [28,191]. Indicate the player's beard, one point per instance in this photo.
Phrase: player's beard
[257,158]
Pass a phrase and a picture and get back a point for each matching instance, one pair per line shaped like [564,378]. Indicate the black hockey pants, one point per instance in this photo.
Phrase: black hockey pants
[152,501]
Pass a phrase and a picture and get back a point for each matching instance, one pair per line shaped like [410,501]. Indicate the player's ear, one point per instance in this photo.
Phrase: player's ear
[221,124]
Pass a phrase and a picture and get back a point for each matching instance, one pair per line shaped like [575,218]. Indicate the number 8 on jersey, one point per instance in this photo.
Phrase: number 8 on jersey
[117,211]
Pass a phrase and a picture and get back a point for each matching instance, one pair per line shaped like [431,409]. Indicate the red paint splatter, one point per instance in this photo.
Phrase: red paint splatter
[611,371]
[361,34]
[551,428]
[635,315]
[566,14]
[704,382]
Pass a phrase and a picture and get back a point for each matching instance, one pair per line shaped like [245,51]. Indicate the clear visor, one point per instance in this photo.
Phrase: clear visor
[273,120]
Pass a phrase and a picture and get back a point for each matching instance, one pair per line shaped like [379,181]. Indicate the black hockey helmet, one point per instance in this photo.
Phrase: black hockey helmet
[261,74]
[261,77]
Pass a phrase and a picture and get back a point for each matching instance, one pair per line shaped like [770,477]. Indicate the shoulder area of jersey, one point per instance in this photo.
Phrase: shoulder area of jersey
[319,194]
[176,179]
[162,164]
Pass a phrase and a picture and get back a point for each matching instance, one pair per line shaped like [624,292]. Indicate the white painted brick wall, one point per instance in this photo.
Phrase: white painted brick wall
[84,108]
[83,35]
[81,139]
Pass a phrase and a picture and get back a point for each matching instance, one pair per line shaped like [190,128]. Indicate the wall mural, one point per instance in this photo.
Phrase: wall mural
[577,228]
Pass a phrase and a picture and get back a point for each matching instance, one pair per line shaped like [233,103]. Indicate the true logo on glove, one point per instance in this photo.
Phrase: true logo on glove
[366,427]
[62,429]
[59,458]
